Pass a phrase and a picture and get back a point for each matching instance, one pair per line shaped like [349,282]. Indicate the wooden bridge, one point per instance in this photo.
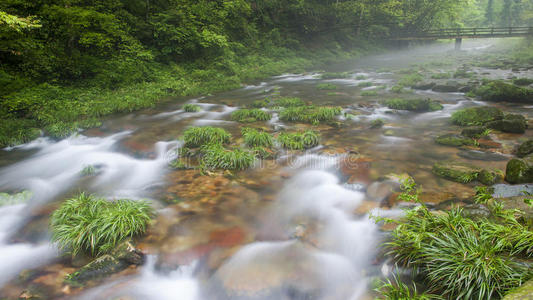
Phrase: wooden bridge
[461,33]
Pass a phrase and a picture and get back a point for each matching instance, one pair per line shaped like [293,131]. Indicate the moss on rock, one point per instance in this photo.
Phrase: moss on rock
[525,149]
[457,172]
[454,140]
[499,91]
[520,170]
[524,292]
[476,116]
[512,123]
[418,105]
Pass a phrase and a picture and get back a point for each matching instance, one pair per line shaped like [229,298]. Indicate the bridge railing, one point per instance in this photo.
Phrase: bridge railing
[466,32]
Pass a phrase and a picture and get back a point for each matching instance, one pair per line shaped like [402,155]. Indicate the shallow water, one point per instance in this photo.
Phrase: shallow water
[294,228]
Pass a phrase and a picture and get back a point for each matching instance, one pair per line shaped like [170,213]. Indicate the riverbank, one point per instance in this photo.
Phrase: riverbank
[60,110]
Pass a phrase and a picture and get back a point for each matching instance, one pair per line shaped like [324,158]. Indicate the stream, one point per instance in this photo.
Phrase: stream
[297,227]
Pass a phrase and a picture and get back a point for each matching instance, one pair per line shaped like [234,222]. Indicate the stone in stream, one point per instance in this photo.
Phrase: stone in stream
[525,149]
[124,255]
[449,87]
[474,132]
[380,191]
[481,155]
[465,173]
[511,123]
[476,116]
[454,140]
[520,170]
[424,86]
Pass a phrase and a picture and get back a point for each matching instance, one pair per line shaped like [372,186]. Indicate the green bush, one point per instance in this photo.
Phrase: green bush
[419,105]
[250,115]
[215,156]
[199,136]
[309,114]
[326,86]
[255,138]
[95,225]
[191,108]
[299,140]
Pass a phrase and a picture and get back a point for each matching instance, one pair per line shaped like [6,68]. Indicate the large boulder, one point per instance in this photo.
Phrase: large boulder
[520,170]
[476,116]
[525,149]
[499,91]
[512,123]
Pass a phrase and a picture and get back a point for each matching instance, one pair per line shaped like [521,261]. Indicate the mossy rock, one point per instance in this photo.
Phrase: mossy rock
[417,105]
[525,149]
[473,132]
[512,123]
[489,177]
[524,292]
[446,88]
[424,86]
[520,170]
[454,140]
[476,116]
[97,269]
[499,91]
[458,172]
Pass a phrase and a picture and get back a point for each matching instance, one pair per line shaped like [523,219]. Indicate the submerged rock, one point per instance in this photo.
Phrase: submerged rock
[465,173]
[525,149]
[520,170]
[454,140]
[481,155]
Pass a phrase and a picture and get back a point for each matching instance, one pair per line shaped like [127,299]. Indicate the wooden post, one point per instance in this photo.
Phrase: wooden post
[458,42]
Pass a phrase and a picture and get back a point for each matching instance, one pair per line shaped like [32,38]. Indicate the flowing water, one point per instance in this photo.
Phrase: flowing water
[298,227]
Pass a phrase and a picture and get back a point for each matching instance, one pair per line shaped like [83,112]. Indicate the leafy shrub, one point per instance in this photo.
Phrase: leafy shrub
[199,136]
[191,108]
[255,138]
[298,140]
[309,114]
[250,115]
[95,225]
[215,156]
[420,105]
[326,86]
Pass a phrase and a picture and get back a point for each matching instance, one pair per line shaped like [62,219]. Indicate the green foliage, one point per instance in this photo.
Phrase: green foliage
[288,102]
[398,89]
[419,105]
[250,115]
[95,225]
[260,103]
[523,81]
[255,138]
[395,289]
[309,114]
[365,84]
[214,156]
[17,131]
[476,116]
[499,91]
[199,136]
[88,170]
[191,108]
[17,198]
[377,123]
[326,86]
[410,79]
[299,140]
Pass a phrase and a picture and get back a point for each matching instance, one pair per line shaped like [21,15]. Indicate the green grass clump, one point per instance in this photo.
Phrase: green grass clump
[365,84]
[95,225]
[418,105]
[476,116]
[215,156]
[464,257]
[377,123]
[361,77]
[255,138]
[369,93]
[191,108]
[326,86]
[299,140]
[288,102]
[260,103]
[410,79]
[441,76]
[395,289]
[17,131]
[398,89]
[336,75]
[198,136]
[250,115]
[310,114]
[88,170]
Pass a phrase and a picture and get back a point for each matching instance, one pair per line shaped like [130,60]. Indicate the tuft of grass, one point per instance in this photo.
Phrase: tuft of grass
[441,76]
[299,140]
[398,89]
[288,102]
[395,289]
[17,131]
[326,86]
[310,114]
[191,108]
[88,170]
[410,79]
[419,105]
[255,138]
[199,136]
[250,115]
[215,156]
[377,123]
[365,84]
[95,225]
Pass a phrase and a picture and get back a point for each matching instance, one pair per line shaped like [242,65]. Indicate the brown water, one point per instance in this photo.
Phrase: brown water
[293,228]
